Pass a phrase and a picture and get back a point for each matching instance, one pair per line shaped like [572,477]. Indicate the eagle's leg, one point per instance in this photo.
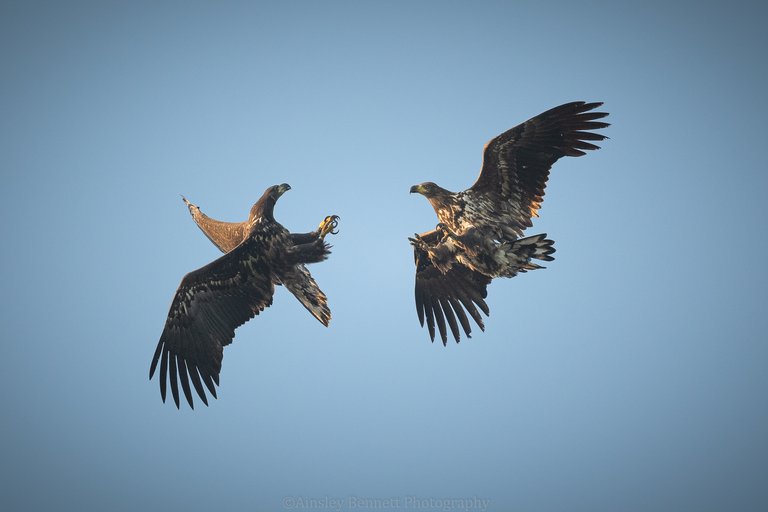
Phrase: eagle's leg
[470,241]
[312,252]
[447,232]
[329,225]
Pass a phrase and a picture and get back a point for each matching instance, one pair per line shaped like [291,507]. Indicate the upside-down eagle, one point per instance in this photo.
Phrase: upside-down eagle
[212,301]
[479,233]
[228,235]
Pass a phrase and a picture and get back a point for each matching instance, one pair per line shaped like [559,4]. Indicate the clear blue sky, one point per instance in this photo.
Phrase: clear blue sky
[630,375]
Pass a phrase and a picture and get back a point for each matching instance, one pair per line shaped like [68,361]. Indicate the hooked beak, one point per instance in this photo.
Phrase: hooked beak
[282,189]
[416,189]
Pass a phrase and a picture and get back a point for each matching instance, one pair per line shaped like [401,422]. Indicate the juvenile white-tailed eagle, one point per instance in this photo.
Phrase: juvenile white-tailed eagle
[478,236]
[212,301]
[228,235]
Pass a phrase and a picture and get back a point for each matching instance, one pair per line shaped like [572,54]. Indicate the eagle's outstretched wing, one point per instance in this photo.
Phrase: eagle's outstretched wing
[443,297]
[224,235]
[209,305]
[516,163]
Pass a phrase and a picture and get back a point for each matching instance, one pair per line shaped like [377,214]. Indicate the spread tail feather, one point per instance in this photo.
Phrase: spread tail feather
[523,250]
[301,284]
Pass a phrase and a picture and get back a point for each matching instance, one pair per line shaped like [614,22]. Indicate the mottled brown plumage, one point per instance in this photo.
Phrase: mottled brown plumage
[213,301]
[227,235]
[480,228]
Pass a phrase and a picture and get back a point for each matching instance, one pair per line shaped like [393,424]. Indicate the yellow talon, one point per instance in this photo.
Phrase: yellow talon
[329,225]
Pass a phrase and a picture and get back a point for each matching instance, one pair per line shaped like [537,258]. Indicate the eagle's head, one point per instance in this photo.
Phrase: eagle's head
[277,190]
[438,197]
[264,207]
[429,189]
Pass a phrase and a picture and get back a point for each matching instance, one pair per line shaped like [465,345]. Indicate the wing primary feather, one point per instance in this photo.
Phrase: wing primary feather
[470,307]
[193,373]
[451,318]
[155,359]
[209,383]
[184,378]
[474,295]
[483,306]
[174,381]
[591,125]
[591,116]
[440,319]
[462,316]
[430,319]
[419,303]
[163,373]
[584,106]
[589,135]
[580,144]
[465,291]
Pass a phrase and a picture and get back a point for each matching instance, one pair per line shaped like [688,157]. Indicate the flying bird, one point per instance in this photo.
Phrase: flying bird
[228,235]
[479,234]
[212,301]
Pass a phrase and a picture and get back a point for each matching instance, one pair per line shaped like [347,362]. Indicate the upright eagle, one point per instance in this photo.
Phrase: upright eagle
[212,301]
[478,236]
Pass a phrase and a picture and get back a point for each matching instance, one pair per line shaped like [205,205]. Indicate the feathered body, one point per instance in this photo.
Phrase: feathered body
[480,229]
[212,301]
[227,235]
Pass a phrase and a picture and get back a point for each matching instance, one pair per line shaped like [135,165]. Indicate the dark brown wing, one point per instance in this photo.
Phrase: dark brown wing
[516,163]
[209,305]
[224,235]
[443,297]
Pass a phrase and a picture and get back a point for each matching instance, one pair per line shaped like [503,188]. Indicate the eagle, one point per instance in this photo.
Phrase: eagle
[228,235]
[214,300]
[479,234]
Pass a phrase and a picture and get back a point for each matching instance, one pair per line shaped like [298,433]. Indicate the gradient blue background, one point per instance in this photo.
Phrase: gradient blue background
[630,375]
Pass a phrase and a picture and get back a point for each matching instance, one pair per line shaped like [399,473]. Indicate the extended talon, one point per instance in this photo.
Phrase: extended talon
[329,225]
[418,242]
